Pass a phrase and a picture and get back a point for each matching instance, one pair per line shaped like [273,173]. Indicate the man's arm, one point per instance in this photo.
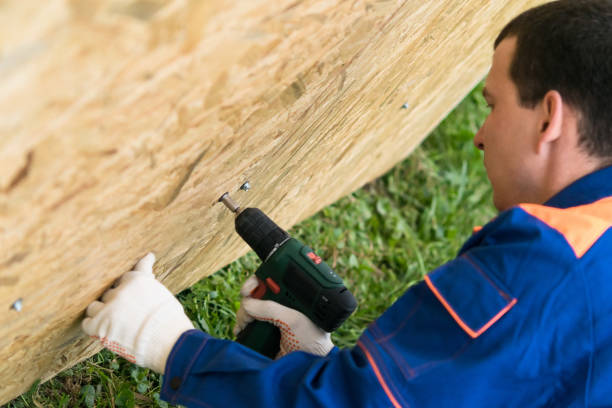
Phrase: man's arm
[203,371]
[452,340]
[141,320]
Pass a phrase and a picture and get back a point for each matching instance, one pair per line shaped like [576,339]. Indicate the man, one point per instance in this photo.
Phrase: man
[522,317]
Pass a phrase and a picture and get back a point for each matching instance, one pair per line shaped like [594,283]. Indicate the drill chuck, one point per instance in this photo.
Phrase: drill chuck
[260,232]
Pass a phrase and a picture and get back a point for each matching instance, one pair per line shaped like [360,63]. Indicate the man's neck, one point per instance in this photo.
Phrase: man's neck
[563,172]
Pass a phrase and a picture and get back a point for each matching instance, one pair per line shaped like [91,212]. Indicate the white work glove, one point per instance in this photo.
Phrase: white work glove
[298,332]
[139,318]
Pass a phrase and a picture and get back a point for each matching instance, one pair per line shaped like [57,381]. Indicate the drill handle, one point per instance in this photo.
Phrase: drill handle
[258,335]
[262,337]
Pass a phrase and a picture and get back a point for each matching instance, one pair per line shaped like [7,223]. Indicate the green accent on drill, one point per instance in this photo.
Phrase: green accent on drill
[277,265]
[326,274]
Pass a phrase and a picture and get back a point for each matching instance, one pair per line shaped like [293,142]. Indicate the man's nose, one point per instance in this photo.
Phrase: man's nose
[479,139]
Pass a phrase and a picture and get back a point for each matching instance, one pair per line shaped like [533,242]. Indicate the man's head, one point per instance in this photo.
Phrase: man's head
[550,91]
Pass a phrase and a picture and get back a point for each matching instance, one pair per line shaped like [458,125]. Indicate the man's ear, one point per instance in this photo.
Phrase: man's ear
[551,119]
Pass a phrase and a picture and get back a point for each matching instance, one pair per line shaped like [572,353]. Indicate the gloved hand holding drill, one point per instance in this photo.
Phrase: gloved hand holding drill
[291,303]
[298,332]
[141,320]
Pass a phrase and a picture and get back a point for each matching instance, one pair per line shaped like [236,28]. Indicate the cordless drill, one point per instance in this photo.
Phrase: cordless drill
[290,274]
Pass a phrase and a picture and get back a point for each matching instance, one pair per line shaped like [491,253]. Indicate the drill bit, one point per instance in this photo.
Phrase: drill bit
[229,203]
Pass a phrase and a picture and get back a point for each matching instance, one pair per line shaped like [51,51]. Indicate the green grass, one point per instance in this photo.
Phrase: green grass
[380,239]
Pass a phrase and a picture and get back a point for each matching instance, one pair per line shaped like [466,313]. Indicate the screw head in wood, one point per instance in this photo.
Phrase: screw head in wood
[17,305]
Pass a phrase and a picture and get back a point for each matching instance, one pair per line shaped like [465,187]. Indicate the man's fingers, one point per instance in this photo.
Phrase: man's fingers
[109,295]
[94,308]
[146,263]
[269,310]
[255,308]
[88,326]
[249,285]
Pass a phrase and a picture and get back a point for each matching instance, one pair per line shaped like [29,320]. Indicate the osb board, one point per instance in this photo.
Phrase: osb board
[122,122]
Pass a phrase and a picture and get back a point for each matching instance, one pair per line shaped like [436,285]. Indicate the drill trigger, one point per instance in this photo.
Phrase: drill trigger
[259,291]
[273,285]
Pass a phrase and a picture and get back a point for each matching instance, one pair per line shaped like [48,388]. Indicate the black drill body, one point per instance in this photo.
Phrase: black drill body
[293,275]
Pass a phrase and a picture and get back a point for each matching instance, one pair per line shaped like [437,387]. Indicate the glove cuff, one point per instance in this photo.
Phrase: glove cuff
[163,330]
[326,346]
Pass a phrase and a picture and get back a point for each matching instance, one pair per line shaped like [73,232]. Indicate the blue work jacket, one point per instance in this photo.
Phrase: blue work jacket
[522,317]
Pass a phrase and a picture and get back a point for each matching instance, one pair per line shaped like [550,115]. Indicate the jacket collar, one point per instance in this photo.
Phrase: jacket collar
[588,189]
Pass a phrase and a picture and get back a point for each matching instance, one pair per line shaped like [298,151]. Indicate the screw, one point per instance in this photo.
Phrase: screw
[17,305]
[229,203]
[246,186]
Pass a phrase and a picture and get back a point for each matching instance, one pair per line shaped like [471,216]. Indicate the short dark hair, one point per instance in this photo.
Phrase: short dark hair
[566,46]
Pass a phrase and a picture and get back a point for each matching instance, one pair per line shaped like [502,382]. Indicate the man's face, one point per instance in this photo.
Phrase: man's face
[508,136]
